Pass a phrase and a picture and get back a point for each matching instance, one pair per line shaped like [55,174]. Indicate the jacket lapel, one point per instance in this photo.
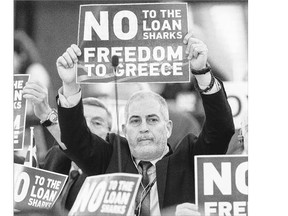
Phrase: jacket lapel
[161,173]
[128,165]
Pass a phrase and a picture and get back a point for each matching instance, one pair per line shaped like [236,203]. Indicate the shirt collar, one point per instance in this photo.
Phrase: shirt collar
[75,167]
[166,150]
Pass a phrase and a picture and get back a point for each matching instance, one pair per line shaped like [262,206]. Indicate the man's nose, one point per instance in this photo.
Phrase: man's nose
[144,126]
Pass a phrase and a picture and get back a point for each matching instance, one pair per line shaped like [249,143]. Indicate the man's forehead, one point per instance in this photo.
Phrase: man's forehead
[95,111]
[143,107]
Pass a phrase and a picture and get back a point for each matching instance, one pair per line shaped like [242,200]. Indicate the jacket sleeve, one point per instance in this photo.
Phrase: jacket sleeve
[218,127]
[90,152]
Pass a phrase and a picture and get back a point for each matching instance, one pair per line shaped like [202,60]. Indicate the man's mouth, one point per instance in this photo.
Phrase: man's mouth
[143,139]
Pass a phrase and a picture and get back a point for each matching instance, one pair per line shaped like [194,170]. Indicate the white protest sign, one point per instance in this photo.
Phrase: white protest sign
[237,95]
[221,185]
[36,188]
[19,108]
[147,38]
[109,194]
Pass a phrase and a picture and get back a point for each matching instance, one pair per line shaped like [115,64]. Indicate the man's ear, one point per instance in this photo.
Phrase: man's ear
[169,128]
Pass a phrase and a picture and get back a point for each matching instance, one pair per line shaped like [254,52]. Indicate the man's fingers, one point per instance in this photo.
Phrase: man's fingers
[192,43]
[31,91]
[36,82]
[199,49]
[187,36]
[188,206]
[31,97]
[187,212]
[61,62]
[187,209]
[76,49]
[37,87]
[192,53]
[72,54]
[190,39]
[196,49]
[68,59]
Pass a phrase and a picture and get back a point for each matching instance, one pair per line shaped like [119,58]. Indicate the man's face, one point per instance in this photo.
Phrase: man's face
[97,120]
[146,129]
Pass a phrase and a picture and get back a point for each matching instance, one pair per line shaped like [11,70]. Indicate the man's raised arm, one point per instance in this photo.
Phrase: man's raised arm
[75,134]
[218,128]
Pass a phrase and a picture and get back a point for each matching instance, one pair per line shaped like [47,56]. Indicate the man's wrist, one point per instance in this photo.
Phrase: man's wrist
[52,118]
[70,89]
[203,80]
[208,87]
[205,69]
[43,117]
[69,101]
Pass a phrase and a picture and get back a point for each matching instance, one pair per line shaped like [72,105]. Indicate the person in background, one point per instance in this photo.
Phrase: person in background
[99,121]
[27,60]
[239,141]
[147,127]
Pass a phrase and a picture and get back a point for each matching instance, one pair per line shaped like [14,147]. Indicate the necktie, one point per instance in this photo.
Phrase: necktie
[71,179]
[145,205]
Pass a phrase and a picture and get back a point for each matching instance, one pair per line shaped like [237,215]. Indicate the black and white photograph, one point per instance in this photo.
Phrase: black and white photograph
[141,108]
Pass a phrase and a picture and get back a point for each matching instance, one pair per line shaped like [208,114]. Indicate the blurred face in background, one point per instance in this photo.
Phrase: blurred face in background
[146,128]
[97,120]
[18,60]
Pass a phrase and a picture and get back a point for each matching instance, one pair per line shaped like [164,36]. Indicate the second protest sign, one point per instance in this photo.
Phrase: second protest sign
[221,183]
[36,189]
[109,194]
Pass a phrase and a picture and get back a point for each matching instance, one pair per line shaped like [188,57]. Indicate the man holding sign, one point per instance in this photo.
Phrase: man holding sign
[147,128]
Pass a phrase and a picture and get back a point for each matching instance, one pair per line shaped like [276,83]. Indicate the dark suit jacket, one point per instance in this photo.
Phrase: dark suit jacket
[57,161]
[175,172]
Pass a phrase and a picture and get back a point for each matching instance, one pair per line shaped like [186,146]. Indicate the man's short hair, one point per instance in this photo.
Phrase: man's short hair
[96,102]
[148,94]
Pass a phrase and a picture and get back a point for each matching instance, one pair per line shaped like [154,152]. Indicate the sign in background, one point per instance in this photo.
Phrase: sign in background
[237,95]
[19,107]
[221,184]
[35,188]
[109,194]
[147,38]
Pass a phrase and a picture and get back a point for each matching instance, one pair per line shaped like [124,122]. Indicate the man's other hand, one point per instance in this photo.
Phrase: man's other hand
[38,95]
[188,209]
[67,71]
